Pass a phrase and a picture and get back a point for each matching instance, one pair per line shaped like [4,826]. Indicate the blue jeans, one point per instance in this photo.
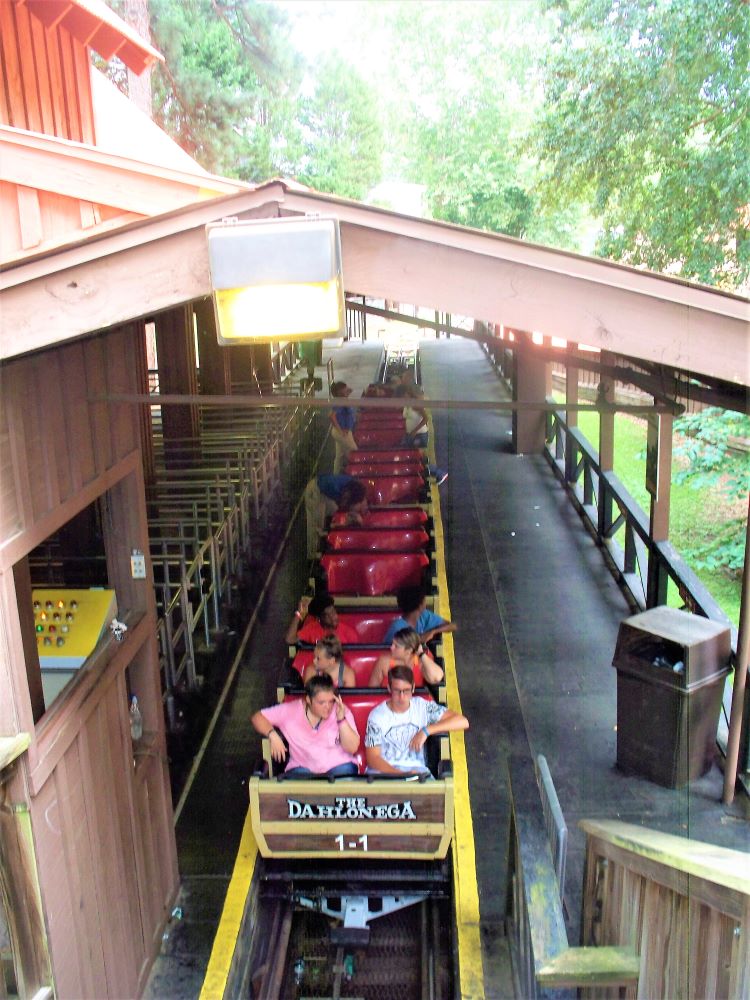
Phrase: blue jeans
[340,771]
[420,441]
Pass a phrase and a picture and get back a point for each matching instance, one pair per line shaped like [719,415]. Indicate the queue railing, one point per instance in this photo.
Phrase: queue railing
[621,528]
[204,519]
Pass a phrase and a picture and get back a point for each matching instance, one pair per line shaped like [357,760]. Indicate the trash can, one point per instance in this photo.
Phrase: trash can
[671,666]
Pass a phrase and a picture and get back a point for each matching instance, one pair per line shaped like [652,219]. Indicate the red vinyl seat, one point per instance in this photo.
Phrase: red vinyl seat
[377,539]
[371,626]
[379,437]
[360,705]
[385,469]
[387,517]
[382,490]
[409,455]
[361,661]
[373,574]
[380,417]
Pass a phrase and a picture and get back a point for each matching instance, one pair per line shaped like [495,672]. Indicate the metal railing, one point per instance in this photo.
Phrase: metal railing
[210,502]
[621,528]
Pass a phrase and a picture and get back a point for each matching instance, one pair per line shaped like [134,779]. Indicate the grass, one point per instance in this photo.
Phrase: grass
[693,513]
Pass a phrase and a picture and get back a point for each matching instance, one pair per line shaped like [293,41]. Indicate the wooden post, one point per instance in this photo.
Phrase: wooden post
[571,418]
[175,348]
[22,585]
[262,367]
[144,412]
[606,445]
[658,483]
[19,892]
[740,677]
[215,365]
[529,383]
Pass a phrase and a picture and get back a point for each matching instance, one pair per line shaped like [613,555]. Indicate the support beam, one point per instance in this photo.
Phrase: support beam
[215,363]
[659,485]
[529,386]
[175,349]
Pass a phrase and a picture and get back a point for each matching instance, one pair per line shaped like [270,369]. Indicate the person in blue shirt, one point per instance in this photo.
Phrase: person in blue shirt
[412,603]
[343,419]
[326,494]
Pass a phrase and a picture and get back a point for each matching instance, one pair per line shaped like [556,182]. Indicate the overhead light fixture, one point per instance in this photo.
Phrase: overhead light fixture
[276,279]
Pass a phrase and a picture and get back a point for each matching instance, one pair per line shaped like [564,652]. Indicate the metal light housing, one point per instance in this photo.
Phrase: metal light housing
[276,279]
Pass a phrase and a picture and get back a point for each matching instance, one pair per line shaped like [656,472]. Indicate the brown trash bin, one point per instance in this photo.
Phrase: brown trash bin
[671,667]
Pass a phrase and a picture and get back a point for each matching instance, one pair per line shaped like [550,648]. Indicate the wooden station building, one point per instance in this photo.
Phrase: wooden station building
[98,245]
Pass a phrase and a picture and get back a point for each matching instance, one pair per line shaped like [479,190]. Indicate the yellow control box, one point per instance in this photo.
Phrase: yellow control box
[69,623]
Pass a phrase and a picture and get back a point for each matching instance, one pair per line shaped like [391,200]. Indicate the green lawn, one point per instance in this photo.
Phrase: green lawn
[693,513]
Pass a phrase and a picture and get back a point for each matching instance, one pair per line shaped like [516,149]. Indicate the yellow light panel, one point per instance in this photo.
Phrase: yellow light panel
[309,311]
[276,279]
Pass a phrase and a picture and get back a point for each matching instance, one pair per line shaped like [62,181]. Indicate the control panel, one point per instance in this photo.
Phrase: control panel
[69,623]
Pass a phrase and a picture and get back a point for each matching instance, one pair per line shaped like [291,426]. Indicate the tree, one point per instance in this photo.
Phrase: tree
[342,139]
[460,90]
[222,91]
[646,120]
[713,456]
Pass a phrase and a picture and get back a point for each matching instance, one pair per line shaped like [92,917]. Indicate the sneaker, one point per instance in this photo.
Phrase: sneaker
[442,479]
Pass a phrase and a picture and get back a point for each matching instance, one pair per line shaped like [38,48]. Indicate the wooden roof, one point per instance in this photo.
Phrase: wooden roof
[155,264]
[92,23]
[54,191]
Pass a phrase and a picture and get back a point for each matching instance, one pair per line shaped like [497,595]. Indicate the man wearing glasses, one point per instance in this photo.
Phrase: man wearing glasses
[398,728]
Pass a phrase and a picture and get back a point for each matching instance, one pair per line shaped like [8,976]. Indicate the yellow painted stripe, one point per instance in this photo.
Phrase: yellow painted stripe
[465,889]
[222,952]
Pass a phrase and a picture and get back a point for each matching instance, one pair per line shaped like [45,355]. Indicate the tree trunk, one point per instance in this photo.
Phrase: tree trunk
[135,12]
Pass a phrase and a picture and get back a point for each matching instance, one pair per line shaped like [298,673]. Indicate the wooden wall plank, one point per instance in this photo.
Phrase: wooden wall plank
[61,216]
[29,217]
[82,82]
[54,65]
[25,438]
[28,69]
[56,432]
[11,521]
[96,384]
[41,62]
[115,871]
[4,93]
[12,66]
[72,111]
[43,377]
[84,971]
[73,374]
[121,377]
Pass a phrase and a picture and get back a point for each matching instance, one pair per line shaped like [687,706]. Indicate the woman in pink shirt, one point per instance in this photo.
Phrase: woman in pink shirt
[319,729]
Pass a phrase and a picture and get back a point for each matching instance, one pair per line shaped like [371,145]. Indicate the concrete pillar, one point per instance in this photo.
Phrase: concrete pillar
[529,386]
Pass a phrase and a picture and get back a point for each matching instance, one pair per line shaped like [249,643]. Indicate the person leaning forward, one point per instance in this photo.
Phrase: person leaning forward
[398,728]
[320,730]
[326,494]
[317,617]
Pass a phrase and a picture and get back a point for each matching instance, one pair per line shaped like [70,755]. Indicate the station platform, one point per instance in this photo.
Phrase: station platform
[538,614]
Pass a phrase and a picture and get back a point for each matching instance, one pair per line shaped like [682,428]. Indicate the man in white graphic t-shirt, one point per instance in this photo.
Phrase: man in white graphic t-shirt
[397,729]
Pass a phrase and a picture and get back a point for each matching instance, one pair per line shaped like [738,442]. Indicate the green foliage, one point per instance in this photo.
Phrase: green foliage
[216,93]
[646,120]
[711,463]
[341,136]
[459,87]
